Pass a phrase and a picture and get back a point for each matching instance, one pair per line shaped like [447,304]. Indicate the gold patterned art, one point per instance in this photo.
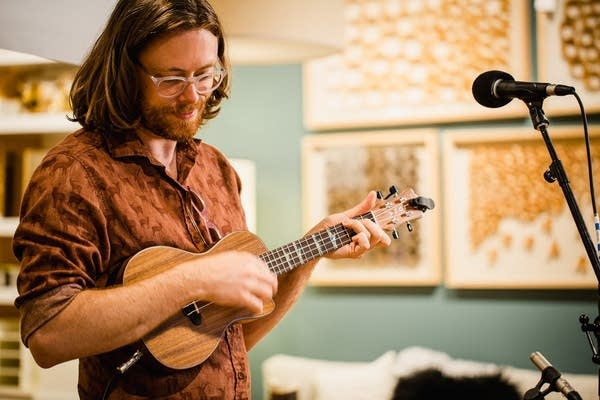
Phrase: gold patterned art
[506,226]
[413,61]
[569,52]
[340,169]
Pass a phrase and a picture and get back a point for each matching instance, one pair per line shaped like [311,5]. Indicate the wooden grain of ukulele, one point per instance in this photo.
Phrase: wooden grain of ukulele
[189,338]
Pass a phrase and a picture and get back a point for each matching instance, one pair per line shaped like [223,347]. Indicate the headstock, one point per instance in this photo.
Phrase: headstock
[398,208]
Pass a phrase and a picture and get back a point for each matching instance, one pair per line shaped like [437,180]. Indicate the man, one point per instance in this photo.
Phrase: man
[134,177]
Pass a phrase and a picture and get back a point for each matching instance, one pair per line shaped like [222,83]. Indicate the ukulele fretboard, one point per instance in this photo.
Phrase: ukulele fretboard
[298,252]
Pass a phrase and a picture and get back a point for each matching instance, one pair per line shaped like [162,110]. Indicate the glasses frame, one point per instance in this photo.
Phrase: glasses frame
[217,69]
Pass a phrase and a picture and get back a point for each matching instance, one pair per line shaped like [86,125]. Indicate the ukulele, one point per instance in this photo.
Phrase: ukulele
[189,338]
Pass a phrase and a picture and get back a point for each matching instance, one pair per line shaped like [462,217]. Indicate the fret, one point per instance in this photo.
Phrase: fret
[332,238]
[312,248]
[283,261]
[291,252]
[319,245]
[298,251]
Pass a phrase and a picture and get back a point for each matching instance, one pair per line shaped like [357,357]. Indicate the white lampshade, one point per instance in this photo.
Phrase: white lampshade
[281,31]
[60,30]
[257,31]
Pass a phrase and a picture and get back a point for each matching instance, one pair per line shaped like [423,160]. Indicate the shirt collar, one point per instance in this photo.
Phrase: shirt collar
[128,144]
[125,144]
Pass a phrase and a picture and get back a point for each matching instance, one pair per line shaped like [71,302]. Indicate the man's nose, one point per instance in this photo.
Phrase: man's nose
[189,93]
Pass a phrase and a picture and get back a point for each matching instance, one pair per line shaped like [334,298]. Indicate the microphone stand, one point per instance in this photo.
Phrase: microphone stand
[556,172]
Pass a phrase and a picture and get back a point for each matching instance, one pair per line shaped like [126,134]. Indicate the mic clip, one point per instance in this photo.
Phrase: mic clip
[552,377]
[549,376]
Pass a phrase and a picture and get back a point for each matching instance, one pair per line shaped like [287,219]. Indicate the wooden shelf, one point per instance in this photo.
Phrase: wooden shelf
[20,124]
[13,393]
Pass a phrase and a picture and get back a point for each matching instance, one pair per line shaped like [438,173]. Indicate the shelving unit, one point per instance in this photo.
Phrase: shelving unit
[20,378]
[28,124]
[21,124]
[10,354]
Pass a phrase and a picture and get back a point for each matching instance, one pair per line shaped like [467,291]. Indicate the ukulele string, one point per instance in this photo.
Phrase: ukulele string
[196,309]
[280,259]
[307,246]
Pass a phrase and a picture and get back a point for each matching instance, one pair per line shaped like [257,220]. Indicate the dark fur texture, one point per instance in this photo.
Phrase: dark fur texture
[431,384]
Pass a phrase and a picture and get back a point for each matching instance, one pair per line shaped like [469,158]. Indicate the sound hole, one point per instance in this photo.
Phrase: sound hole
[193,313]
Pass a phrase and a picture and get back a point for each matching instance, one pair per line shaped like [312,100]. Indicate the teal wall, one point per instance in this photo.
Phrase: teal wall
[263,122]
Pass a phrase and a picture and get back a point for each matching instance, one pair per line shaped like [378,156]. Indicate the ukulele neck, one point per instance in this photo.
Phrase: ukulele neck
[287,257]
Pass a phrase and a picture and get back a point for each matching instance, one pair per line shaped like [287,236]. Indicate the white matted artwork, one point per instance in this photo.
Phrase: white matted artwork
[568,52]
[338,170]
[414,61]
[505,225]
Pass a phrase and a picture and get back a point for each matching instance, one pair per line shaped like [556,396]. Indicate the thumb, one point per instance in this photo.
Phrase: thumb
[366,205]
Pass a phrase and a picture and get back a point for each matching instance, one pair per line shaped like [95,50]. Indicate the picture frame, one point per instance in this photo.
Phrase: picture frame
[338,170]
[246,169]
[562,34]
[506,227]
[416,64]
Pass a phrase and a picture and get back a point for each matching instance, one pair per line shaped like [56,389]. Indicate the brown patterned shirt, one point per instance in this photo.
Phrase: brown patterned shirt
[95,201]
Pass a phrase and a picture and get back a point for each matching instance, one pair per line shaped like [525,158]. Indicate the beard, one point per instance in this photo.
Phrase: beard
[161,120]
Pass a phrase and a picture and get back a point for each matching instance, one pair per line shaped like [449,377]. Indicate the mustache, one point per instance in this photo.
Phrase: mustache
[182,109]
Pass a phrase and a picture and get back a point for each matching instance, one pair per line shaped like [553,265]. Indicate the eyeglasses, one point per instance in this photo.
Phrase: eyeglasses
[172,86]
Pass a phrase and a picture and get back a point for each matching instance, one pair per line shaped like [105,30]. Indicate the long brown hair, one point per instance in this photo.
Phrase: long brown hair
[105,91]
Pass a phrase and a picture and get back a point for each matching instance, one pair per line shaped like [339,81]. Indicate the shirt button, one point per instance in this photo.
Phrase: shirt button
[241,376]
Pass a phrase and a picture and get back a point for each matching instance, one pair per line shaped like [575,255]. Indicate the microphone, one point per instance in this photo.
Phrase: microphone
[496,88]
[553,377]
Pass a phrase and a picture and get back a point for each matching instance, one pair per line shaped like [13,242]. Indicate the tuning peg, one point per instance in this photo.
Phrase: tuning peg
[379,195]
[395,234]
[393,191]
[409,226]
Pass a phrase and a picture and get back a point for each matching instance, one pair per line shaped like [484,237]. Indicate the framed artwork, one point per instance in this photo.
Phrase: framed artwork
[338,170]
[415,61]
[505,225]
[246,169]
[568,54]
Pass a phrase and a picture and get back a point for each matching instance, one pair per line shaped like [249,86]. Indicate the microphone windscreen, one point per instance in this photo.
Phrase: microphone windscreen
[483,89]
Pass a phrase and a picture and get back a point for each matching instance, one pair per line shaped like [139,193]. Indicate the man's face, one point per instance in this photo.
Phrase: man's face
[186,54]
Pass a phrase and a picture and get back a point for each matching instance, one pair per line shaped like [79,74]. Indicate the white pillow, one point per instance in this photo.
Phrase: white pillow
[414,359]
[372,381]
[310,378]
[286,373]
